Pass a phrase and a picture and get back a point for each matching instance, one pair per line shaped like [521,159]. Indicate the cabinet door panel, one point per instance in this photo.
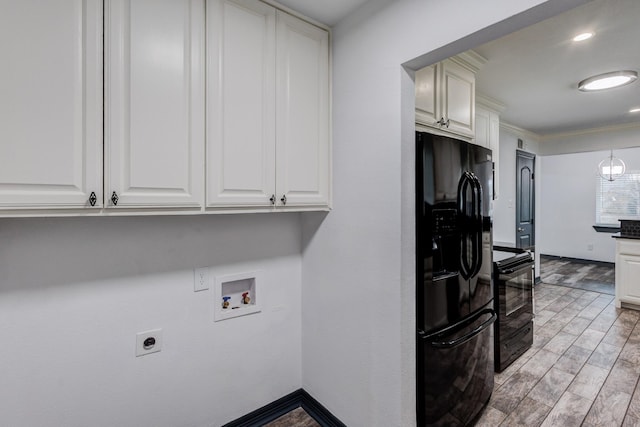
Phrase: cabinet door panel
[459,98]
[302,122]
[426,108]
[629,271]
[494,145]
[155,102]
[483,128]
[51,109]
[241,103]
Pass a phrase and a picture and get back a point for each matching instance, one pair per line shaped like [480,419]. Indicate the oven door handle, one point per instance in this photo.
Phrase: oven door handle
[443,343]
[513,270]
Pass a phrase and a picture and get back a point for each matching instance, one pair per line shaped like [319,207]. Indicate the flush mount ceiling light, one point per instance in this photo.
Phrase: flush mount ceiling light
[582,37]
[611,168]
[635,110]
[608,80]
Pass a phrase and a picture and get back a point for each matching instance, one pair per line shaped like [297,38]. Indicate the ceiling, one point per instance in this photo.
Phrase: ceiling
[328,12]
[535,71]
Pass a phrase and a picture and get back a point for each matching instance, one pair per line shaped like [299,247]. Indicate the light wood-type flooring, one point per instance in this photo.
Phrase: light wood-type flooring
[583,367]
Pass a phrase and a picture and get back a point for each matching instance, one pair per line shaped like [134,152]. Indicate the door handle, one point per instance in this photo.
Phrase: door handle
[477,188]
[442,339]
[465,267]
[520,229]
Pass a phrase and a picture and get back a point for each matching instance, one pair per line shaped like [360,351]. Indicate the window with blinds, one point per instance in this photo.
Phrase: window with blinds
[619,199]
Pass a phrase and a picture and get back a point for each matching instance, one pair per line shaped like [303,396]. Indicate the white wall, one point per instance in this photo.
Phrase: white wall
[622,136]
[358,317]
[75,291]
[568,204]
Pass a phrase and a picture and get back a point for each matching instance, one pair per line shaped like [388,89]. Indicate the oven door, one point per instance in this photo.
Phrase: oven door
[514,288]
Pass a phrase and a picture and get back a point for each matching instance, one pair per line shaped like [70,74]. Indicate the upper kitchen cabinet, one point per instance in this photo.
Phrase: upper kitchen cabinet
[268,108]
[302,112]
[51,109]
[241,138]
[488,133]
[445,95]
[154,103]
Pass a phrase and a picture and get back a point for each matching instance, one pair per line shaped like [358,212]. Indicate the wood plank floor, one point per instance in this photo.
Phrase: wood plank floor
[296,418]
[582,370]
[584,365]
[590,276]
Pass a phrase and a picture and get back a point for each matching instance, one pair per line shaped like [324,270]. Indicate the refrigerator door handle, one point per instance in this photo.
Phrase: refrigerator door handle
[466,269]
[440,339]
[477,223]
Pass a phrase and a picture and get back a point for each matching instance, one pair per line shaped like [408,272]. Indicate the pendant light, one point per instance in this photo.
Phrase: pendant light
[611,168]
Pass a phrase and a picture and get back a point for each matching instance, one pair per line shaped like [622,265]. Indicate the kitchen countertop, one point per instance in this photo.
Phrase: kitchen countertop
[625,236]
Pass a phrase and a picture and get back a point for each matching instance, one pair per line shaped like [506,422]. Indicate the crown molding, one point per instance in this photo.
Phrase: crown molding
[490,103]
[520,131]
[470,59]
[591,131]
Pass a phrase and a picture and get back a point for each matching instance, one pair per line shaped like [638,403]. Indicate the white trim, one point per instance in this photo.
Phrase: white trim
[298,15]
[470,59]
[520,131]
[489,103]
[591,131]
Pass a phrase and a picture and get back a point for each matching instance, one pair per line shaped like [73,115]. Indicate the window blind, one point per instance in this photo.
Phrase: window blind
[619,199]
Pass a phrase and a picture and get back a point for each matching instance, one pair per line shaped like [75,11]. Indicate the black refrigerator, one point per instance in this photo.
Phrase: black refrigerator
[454,293]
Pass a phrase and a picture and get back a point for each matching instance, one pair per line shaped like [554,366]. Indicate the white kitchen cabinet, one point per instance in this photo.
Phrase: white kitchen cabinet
[266,97]
[51,109]
[445,95]
[268,108]
[302,113]
[154,103]
[488,133]
[241,138]
[627,287]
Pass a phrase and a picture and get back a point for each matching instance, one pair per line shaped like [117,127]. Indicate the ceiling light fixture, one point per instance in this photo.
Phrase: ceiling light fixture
[608,80]
[635,110]
[582,37]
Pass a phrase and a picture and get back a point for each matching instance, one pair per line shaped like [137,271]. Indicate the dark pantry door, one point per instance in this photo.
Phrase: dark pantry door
[525,200]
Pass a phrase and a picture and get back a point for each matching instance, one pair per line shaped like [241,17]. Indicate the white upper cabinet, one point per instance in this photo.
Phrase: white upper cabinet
[51,104]
[154,103]
[241,137]
[458,100]
[302,106]
[488,133]
[445,95]
[191,106]
[426,82]
[268,111]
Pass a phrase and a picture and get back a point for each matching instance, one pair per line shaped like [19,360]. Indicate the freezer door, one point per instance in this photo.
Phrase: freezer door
[455,371]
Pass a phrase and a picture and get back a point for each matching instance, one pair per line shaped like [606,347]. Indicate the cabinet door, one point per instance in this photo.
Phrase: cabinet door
[51,108]
[302,113]
[240,103]
[628,269]
[483,128]
[458,98]
[494,145]
[426,107]
[154,107]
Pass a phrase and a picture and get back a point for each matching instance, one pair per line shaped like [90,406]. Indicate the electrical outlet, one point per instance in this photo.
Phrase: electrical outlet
[200,279]
[148,342]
